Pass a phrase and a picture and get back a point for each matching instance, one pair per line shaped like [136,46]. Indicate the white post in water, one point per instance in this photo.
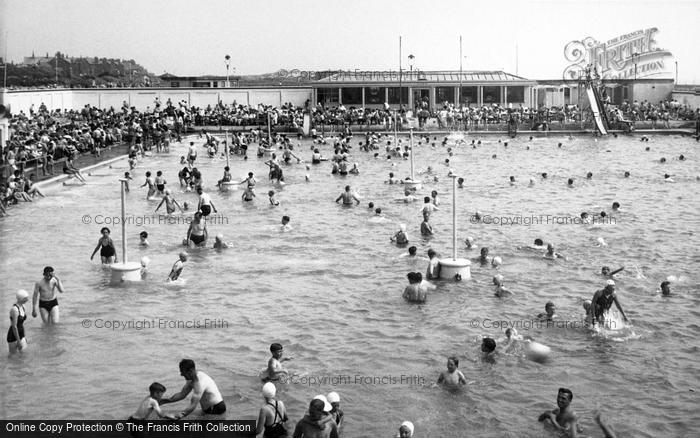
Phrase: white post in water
[455,269]
[123,190]
[226,148]
[269,131]
[411,142]
[124,271]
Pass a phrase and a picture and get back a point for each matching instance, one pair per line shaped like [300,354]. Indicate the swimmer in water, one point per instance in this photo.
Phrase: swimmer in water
[415,292]
[428,207]
[16,341]
[143,238]
[150,404]
[170,203]
[160,182]
[469,242]
[406,430]
[178,267]
[151,183]
[563,418]
[500,290]
[452,378]
[400,237]
[145,261]
[537,246]
[107,252]
[425,228]
[549,312]
[45,297]
[607,273]
[204,391]
[551,254]
[347,197]
[126,179]
[197,233]
[219,242]
[603,300]
[285,223]
[488,348]
[666,288]
[275,370]
[433,272]
[273,201]
[460,183]
[248,194]
[483,256]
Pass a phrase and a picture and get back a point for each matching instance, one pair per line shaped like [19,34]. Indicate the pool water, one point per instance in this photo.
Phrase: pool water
[330,291]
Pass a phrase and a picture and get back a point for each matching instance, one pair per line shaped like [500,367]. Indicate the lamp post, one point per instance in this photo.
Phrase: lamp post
[227,59]
[410,64]
[635,56]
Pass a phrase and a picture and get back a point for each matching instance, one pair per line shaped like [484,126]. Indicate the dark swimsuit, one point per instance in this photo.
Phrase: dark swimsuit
[48,305]
[276,429]
[217,409]
[160,187]
[206,210]
[107,250]
[20,326]
[197,239]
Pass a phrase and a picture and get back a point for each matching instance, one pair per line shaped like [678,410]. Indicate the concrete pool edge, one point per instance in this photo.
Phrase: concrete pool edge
[62,178]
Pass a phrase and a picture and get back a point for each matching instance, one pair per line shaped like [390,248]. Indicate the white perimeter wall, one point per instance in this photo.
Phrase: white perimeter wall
[142,98]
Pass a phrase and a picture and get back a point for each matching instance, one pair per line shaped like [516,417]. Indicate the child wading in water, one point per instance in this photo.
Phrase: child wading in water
[452,377]
[150,404]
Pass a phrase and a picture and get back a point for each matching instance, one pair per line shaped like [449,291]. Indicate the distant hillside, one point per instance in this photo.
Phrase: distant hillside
[79,72]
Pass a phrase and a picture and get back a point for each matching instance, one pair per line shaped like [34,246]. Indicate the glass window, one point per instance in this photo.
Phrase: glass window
[327,95]
[375,95]
[394,95]
[470,95]
[516,94]
[175,84]
[352,96]
[444,94]
[492,95]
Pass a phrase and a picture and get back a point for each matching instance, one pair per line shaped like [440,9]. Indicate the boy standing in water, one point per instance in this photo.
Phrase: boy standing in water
[150,182]
[452,377]
[563,418]
[275,370]
[150,404]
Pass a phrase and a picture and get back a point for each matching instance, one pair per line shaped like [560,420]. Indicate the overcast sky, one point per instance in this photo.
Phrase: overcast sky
[188,37]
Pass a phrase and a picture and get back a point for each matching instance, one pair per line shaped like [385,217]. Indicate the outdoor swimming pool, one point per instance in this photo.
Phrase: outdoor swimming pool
[330,292]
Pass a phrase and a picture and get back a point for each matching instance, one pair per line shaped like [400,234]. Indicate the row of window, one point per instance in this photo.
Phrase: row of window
[395,95]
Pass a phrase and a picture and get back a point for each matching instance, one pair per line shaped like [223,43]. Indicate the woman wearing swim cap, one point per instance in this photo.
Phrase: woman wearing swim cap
[272,415]
[15,335]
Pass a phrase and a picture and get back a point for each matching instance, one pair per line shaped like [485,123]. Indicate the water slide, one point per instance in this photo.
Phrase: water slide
[600,118]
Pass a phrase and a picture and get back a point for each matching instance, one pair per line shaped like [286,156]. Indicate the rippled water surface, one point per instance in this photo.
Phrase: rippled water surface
[330,292]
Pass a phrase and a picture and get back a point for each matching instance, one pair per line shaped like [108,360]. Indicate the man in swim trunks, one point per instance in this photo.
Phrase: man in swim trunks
[347,197]
[563,418]
[204,391]
[151,183]
[603,300]
[191,154]
[197,233]
[205,203]
[45,297]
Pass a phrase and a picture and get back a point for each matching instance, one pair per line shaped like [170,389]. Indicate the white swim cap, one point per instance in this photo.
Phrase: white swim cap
[610,283]
[408,425]
[269,390]
[145,261]
[326,406]
[497,261]
[22,294]
[219,236]
[333,397]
